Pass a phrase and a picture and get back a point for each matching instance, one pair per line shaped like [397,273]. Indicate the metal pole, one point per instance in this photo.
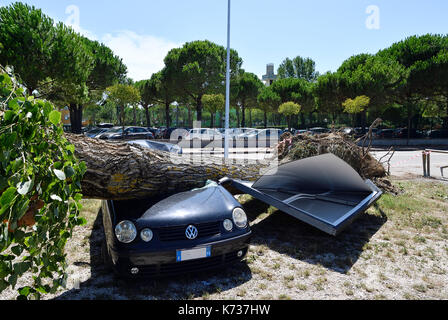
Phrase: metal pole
[226,141]
[425,174]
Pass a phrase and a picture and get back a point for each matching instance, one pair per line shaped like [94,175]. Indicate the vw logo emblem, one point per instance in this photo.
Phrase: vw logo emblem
[191,233]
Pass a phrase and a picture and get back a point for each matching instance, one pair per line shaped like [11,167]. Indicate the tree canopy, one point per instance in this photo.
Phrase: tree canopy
[301,68]
[199,68]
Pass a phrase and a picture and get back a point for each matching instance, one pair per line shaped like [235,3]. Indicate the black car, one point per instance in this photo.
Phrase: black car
[95,132]
[187,232]
[438,134]
[129,133]
[315,131]
[404,134]
[385,134]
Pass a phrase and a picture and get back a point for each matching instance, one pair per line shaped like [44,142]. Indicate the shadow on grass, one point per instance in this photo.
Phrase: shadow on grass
[103,285]
[287,235]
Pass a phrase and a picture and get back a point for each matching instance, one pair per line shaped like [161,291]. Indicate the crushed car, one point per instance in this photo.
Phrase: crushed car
[208,228]
[188,232]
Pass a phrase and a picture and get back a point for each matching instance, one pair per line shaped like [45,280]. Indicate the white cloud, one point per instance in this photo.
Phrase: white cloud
[142,54]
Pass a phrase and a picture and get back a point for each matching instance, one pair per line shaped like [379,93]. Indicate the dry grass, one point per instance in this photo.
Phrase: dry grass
[397,250]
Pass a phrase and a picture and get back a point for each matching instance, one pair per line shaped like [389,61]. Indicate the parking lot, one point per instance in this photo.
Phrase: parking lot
[409,163]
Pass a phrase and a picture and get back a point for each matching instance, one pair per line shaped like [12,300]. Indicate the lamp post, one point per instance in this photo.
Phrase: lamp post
[227,124]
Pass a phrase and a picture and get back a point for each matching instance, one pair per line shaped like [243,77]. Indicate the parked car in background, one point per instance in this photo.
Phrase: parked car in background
[403,134]
[261,138]
[384,134]
[438,134]
[105,125]
[246,133]
[129,133]
[292,131]
[235,132]
[95,132]
[204,135]
[157,145]
[299,132]
[164,133]
[153,131]
[315,131]
[349,131]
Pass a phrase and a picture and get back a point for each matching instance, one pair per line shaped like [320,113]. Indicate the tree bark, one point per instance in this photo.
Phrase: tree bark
[148,116]
[199,109]
[265,120]
[190,118]
[243,115]
[167,114]
[237,116]
[118,171]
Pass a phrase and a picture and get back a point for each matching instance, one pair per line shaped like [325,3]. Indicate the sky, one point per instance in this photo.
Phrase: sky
[262,31]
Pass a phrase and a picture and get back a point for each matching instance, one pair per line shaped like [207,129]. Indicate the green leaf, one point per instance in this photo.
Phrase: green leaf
[21,267]
[3,285]
[71,148]
[47,108]
[20,208]
[13,105]
[9,115]
[25,292]
[69,171]
[78,197]
[7,197]
[3,182]
[60,174]
[13,280]
[17,250]
[55,117]
[81,222]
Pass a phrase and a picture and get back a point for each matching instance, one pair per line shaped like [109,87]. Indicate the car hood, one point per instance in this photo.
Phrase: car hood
[198,206]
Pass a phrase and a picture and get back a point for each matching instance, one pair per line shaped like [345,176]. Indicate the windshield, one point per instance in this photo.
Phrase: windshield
[115,130]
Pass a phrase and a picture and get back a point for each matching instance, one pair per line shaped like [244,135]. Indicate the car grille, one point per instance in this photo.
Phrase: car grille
[178,233]
[189,266]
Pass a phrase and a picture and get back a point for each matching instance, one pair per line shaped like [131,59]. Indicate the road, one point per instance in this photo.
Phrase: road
[409,163]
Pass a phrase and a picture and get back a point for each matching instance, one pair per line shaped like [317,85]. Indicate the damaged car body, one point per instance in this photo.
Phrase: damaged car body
[323,191]
[207,228]
[188,232]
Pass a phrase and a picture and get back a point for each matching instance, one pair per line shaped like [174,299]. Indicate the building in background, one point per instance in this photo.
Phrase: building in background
[270,75]
[65,113]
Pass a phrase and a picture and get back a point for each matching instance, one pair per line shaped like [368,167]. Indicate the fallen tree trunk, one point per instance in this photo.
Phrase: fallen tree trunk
[120,171]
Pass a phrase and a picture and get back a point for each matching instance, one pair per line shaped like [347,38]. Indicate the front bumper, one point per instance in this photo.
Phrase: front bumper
[163,263]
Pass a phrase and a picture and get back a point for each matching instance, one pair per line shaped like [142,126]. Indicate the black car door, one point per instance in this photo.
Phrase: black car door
[128,134]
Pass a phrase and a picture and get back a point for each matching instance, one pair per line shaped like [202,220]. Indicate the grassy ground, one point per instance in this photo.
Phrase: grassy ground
[396,250]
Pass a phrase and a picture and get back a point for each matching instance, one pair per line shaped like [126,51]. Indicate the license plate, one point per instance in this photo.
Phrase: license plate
[200,253]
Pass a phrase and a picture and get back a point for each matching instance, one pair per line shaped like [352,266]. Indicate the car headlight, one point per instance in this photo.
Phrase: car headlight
[228,225]
[146,235]
[126,232]
[240,218]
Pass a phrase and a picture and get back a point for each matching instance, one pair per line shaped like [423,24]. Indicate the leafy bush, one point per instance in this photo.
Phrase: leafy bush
[40,183]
